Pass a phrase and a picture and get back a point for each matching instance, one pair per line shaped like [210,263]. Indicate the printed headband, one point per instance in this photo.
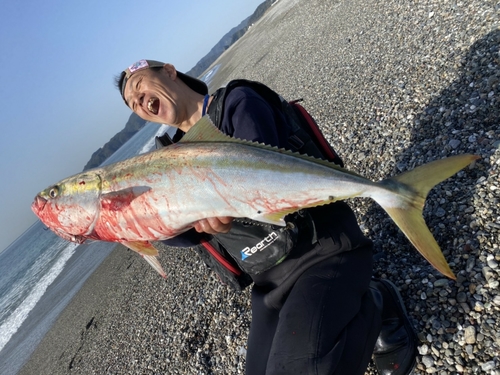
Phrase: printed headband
[193,83]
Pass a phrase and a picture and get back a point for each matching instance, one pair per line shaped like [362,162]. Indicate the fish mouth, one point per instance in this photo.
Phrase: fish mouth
[79,239]
[154,105]
[38,204]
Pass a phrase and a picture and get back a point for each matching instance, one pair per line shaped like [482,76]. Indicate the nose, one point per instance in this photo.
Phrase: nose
[138,99]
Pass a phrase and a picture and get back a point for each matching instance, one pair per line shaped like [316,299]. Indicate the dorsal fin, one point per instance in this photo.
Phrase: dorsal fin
[205,131]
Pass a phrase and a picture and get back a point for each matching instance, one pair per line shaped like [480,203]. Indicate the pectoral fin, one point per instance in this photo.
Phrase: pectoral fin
[117,200]
[148,252]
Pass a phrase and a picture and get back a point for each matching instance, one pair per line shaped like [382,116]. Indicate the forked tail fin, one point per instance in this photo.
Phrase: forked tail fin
[414,186]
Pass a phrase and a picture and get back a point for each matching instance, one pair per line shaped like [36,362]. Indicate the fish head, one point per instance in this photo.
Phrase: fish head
[71,207]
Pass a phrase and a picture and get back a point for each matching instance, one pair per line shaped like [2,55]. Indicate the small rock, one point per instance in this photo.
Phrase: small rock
[440,212]
[441,282]
[423,349]
[492,263]
[428,361]
[470,335]
[488,366]
[461,297]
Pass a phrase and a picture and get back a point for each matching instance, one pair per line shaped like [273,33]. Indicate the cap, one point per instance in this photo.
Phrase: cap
[193,83]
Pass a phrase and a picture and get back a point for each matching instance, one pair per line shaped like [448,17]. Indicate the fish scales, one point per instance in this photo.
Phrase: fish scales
[193,181]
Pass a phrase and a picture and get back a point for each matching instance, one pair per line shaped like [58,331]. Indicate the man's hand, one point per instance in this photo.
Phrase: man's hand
[214,225]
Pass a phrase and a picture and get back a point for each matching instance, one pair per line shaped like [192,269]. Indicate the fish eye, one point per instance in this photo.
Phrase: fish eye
[54,192]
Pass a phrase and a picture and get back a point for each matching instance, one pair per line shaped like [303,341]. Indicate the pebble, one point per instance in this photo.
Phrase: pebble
[441,282]
[428,361]
[470,335]
[488,366]
[492,263]
[423,349]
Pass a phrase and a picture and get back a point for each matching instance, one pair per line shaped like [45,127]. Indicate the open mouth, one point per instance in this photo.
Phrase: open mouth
[153,105]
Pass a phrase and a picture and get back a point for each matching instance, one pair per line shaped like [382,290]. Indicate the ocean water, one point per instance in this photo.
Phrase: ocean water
[40,273]
[209,75]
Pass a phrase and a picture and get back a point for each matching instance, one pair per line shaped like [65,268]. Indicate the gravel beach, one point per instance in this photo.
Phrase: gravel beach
[393,85]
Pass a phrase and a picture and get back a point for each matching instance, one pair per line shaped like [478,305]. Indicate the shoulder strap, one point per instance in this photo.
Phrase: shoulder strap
[309,125]
[306,137]
[216,108]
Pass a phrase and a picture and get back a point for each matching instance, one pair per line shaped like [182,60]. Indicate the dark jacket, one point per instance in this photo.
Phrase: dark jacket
[251,111]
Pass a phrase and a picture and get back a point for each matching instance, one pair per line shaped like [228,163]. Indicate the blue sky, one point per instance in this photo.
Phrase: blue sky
[58,60]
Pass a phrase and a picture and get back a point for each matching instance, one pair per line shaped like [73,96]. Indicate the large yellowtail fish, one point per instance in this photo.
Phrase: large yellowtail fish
[158,195]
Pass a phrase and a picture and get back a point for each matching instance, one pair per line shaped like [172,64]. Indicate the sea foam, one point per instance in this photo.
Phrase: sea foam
[17,317]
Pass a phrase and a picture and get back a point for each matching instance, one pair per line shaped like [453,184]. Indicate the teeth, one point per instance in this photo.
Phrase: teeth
[150,105]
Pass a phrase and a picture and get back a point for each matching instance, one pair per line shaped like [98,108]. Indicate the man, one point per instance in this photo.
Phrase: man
[315,307]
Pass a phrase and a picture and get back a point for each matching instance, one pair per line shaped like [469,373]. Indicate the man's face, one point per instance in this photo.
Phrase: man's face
[151,94]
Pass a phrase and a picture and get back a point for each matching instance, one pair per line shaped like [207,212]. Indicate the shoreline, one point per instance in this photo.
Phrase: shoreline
[67,332]
[392,86]
[118,301]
